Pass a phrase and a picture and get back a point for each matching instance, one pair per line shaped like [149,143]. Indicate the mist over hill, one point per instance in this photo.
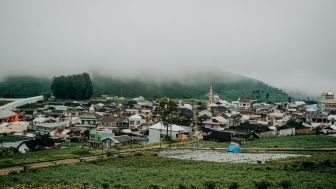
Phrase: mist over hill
[194,85]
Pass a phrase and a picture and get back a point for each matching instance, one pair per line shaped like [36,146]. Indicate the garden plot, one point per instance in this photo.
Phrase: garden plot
[216,156]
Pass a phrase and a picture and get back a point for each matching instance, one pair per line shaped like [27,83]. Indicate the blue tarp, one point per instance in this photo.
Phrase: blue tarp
[234,148]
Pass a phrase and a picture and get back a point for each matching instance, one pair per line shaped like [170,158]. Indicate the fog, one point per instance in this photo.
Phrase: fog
[288,44]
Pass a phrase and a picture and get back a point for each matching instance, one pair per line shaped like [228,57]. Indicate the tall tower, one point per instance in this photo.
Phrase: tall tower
[211,97]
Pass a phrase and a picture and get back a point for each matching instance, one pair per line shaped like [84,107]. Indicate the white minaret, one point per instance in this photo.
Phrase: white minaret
[211,99]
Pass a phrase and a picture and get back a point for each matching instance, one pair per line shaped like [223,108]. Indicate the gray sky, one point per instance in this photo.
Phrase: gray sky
[289,44]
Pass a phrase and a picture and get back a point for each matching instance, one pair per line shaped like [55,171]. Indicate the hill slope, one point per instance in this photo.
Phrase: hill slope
[226,85]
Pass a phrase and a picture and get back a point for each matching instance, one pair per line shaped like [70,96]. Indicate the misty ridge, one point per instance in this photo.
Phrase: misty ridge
[188,85]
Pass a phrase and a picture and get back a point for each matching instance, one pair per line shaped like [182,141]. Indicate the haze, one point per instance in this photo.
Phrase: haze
[289,44]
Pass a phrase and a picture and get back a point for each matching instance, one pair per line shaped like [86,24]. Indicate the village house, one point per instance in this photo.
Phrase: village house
[89,120]
[158,131]
[244,103]
[14,127]
[215,123]
[20,146]
[97,138]
[8,116]
[136,120]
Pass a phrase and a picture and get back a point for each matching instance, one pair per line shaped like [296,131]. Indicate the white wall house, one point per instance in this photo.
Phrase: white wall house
[159,131]
[286,132]
[136,120]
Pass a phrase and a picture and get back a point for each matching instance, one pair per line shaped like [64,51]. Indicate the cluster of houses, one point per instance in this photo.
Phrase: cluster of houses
[113,121]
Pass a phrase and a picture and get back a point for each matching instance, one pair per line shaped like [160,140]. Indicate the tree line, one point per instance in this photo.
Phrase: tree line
[78,86]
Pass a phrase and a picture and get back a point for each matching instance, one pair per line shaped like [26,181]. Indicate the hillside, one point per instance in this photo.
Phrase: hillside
[226,85]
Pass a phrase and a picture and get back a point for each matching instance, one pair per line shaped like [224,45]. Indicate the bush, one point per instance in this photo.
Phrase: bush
[308,164]
[121,186]
[233,185]
[153,186]
[81,152]
[262,184]
[285,184]
[105,185]
[210,184]
[182,186]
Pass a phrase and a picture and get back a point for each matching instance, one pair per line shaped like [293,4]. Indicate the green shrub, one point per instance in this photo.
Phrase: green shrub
[233,185]
[182,186]
[308,164]
[106,185]
[81,152]
[153,186]
[285,184]
[262,184]
[121,186]
[210,184]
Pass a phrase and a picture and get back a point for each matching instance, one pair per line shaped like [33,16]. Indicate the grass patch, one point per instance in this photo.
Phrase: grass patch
[10,138]
[46,155]
[147,171]
[297,141]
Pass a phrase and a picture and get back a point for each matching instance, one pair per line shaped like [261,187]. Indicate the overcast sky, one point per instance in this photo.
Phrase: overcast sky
[290,44]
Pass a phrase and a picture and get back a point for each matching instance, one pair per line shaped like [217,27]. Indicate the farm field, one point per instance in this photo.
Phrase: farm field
[151,171]
[297,141]
[46,155]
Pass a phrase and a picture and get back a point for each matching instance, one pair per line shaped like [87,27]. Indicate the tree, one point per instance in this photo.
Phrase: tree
[72,87]
[267,96]
[167,112]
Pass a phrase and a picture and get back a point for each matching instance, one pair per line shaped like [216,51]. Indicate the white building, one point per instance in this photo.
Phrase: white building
[136,120]
[158,131]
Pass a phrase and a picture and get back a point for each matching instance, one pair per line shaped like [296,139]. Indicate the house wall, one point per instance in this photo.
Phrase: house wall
[286,132]
[268,134]
[23,148]
[213,127]
[304,131]
[154,135]
[15,128]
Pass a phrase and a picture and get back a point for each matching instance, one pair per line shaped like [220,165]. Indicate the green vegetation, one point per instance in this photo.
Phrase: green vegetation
[46,155]
[226,85]
[72,87]
[3,102]
[297,141]
[25,86]
[149,171]
[10,138]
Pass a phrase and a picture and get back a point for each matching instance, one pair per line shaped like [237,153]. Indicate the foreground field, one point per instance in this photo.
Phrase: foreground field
[297,141]
[46,155]
[150,171]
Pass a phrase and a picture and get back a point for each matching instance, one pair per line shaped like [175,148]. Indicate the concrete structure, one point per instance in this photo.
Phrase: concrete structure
[286,132]
[21,102]
[8,116]
[158,131]
[98,138]
[244,103]
[215,123]
[14,127]
[327,103]
[20,146]
[135,121]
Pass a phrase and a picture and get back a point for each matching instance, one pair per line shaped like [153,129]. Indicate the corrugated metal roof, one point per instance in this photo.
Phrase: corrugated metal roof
[6,114]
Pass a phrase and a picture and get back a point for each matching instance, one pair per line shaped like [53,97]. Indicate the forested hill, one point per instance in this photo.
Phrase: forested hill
[226,85]
[24,86]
